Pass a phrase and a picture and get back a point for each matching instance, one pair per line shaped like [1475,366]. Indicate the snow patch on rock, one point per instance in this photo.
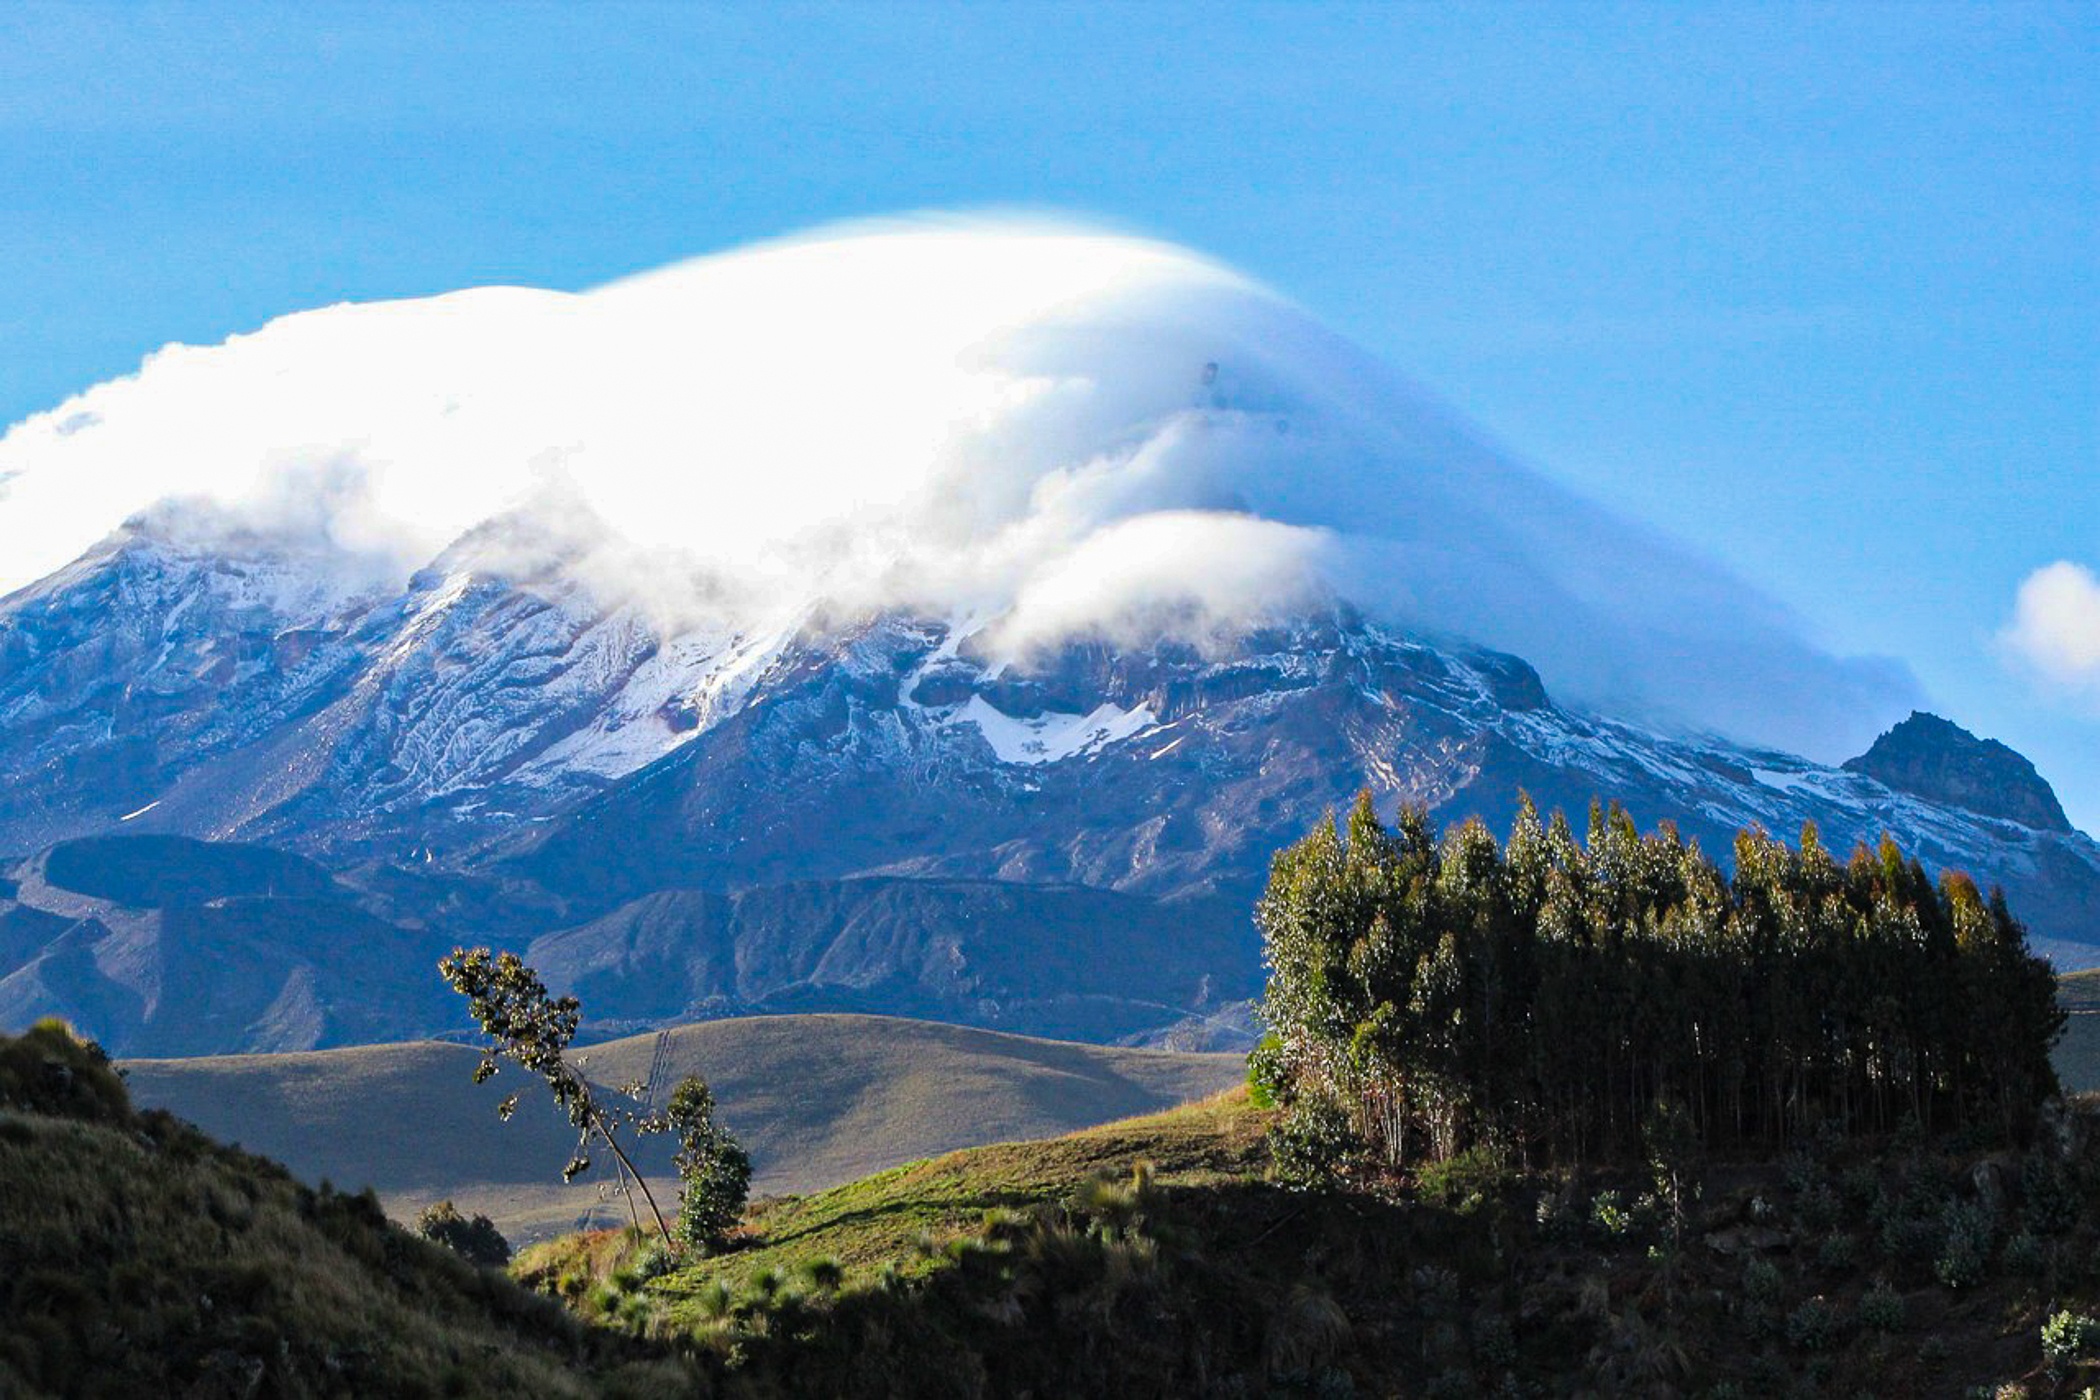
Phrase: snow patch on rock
[1052,737]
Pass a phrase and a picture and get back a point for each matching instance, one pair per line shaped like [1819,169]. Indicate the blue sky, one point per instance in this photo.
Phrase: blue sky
[1812,287]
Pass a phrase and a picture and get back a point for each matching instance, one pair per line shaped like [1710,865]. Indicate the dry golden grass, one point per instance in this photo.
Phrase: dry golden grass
[817,1099]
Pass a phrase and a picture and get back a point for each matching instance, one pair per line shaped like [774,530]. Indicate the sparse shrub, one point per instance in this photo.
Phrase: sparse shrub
[1611,1219]
[523,1022]
[1311,1141]
[1453,1384]
[1112,1206]
[1813,1326]
[1761,1282]
[476,1240]
[1965,1246]
[1305,1332]
[2023,1255]
[715,1299]
[1882,1308]
[1268,1078]
[1493,1341]
[2068,1338]
[823,1274]
[1436,1289]
[1463,1181]
[2049,1205]
[1819,1207]
[1837,1254]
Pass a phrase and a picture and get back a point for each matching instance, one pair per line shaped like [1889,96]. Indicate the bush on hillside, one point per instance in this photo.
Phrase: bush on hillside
[49,1069]
[476,1239]
[714,1171]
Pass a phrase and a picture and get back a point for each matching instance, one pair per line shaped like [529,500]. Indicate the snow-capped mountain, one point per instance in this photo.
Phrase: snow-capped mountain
[948,618]
[874,811]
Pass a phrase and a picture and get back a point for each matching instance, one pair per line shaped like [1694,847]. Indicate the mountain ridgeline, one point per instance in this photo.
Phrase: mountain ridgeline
[872,812]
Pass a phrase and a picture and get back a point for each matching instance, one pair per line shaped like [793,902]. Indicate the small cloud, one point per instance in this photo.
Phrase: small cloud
[2055,628]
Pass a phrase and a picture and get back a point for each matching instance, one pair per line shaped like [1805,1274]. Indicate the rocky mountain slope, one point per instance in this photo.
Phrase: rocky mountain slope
[878,812]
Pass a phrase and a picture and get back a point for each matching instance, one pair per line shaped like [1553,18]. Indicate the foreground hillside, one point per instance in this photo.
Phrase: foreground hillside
[144,1259]
[1159,1257]
[1150,1257]
[817,1099]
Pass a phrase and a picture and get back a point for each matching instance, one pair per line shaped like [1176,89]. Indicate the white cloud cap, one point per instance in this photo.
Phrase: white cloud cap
[2055,628]
[1056,428]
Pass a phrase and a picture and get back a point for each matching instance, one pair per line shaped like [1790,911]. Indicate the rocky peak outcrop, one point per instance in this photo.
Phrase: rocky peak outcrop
[1935,759]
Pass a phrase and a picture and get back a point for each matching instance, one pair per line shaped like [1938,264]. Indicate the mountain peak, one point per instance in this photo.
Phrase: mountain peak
[1938,760]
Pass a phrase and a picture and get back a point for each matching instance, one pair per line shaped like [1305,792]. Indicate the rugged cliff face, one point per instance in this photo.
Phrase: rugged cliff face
[871,813]
[1941,762]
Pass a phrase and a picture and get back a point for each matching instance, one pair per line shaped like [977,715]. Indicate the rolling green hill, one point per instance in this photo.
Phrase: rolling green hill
[817,1099]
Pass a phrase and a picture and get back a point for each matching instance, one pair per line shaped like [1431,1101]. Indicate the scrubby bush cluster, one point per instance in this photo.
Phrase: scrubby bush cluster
[474,1239]
[1544,997]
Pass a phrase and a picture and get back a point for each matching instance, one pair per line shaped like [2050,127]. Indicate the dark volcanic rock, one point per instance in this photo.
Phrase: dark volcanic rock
[1929,757]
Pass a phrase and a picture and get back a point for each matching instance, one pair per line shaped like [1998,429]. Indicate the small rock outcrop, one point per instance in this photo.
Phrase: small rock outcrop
[1935,759]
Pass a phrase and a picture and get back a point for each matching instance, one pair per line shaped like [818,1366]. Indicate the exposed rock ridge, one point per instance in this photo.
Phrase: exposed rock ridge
[1935,759]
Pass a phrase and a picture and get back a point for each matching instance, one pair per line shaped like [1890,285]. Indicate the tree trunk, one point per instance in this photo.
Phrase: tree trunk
[605,1131]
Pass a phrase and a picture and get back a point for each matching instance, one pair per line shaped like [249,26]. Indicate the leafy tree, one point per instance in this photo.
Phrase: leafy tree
[1555,1000]
[475,1240]
[714,1171]
[527,1025]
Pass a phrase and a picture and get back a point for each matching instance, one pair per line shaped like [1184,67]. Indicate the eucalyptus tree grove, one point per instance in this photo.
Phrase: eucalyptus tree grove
[1547,997]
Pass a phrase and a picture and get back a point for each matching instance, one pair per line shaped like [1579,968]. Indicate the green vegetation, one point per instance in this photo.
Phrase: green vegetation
[474,1239]
[714,1171]
[144,1259]
[1838,1185]
[1548,999]
[1156,1256]
[1161,1256]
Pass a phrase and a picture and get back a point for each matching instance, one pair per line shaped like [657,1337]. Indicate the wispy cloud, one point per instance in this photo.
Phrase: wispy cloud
[2055,630]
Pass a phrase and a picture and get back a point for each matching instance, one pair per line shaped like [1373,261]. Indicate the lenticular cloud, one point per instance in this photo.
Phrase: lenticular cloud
[1054,429]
